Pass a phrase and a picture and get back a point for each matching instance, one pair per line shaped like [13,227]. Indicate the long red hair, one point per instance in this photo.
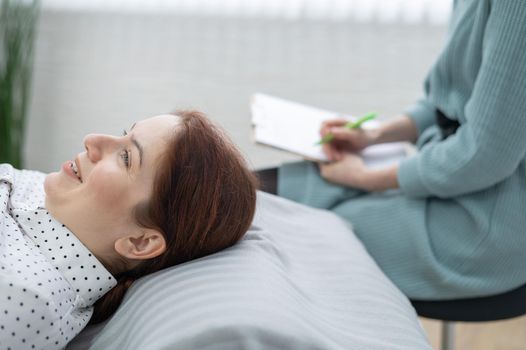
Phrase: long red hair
[204,200]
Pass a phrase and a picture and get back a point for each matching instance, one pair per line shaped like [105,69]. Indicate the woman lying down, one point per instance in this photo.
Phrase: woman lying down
[171,189]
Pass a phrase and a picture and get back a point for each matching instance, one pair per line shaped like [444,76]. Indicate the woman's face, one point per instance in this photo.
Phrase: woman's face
[95,194]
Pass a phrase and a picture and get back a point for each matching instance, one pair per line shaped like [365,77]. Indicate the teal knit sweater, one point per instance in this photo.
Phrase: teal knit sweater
[479,80]
[457,226]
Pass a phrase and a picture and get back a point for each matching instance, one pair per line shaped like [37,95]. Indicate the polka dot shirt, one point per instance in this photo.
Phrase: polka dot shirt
[48,279]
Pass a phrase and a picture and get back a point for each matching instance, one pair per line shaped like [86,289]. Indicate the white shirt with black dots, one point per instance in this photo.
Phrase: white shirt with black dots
[48,279]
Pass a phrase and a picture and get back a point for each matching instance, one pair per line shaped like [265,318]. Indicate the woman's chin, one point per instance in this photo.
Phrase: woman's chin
[49,182]
[55,183]
[56,189]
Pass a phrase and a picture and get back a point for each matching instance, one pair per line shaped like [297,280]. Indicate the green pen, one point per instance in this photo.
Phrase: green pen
[350,125]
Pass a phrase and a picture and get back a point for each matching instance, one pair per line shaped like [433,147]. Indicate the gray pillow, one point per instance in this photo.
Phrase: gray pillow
[300,279]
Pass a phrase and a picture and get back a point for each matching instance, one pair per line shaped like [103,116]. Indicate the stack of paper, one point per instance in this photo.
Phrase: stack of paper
[295,128]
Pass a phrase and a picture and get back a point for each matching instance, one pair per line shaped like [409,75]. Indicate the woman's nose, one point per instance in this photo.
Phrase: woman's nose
[97,145]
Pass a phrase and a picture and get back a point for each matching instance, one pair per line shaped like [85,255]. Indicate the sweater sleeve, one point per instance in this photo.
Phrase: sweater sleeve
[423,114]
[489,146]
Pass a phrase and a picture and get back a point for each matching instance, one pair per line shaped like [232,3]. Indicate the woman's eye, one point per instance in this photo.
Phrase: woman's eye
[125,155]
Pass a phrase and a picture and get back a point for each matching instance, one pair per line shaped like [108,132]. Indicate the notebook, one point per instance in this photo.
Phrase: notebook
[294,127]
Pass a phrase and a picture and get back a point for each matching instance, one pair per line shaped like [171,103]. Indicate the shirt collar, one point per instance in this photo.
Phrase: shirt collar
[86,274]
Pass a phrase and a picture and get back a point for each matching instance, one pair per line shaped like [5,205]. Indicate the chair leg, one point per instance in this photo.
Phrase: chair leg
[448,336]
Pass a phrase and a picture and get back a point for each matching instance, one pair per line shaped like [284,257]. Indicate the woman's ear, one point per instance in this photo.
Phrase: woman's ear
[147,244]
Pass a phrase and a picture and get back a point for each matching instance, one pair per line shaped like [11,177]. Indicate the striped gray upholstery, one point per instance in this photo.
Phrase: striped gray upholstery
[299,280]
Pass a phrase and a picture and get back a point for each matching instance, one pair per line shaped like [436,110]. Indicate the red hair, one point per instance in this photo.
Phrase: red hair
[204,200]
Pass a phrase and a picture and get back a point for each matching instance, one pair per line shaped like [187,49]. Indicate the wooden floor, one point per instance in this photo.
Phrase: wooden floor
[501,335]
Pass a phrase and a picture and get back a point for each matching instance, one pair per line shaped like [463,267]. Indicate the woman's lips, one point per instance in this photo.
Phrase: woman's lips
[77,165]
[68,170]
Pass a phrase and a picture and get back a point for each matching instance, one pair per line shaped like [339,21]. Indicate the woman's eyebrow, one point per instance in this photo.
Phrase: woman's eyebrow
[139,148]
[137,144]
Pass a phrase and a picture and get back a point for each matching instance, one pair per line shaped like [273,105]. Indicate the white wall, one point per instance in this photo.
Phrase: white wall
[386,11]
[99,71]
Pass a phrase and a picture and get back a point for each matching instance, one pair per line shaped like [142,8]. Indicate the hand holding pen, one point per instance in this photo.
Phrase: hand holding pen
[340,136]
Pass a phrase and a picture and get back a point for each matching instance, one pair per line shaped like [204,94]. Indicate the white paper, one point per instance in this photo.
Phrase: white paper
[295,127]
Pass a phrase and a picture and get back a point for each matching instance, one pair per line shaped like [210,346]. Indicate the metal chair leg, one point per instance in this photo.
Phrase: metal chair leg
[448,336]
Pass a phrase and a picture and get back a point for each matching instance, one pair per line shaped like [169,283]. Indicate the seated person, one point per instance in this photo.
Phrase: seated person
[451,224]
